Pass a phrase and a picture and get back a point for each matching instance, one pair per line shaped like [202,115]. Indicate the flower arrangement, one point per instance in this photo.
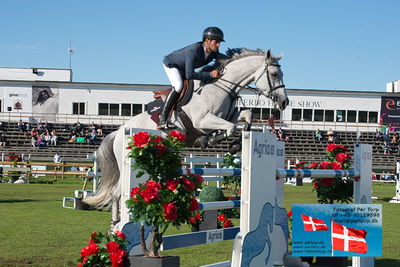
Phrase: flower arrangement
[196,220]
[224,222]
[12,157]
[338,189]
[167,197]
[104,249]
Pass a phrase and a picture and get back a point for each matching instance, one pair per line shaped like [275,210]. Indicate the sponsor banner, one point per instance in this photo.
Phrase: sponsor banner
[17,99]
[390,110]
[339,230]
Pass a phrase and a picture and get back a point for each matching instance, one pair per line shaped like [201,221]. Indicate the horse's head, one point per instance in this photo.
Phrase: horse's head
[269,80]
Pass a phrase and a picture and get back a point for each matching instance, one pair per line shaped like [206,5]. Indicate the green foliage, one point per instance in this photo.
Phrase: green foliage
[233,182]
[211,193]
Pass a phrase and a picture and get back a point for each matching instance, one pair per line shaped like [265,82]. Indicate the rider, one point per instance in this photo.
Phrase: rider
[180,65]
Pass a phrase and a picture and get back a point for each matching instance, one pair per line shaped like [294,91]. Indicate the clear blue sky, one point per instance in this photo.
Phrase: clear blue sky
[341,44]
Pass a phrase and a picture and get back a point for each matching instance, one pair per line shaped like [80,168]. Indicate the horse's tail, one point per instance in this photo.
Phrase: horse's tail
[110,173]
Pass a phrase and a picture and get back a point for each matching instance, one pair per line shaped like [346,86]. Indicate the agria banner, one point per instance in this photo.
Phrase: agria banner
[390,109]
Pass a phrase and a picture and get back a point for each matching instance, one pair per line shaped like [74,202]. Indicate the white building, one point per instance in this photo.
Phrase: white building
[50,94]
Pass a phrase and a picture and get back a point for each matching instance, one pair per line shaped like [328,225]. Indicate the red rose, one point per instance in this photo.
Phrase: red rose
[91,241]
[141,139]
[170,212]
[289,214]
[331,147]
[192,220]
[198,216]
[227,223]
[326,182]
[199,178]
[171,184]
[336,165]
[120,234]
[342,147]
[161,149]
[221,217]
[89,250]
[194,205]
[313,166]
[151,191]
[343,157]
[189,185]
[112,246]
[93,235]
[80,264]
[178,135]
[117,258]
[134,191]
[158,139]
[129,147]
[315,185]
[325,165]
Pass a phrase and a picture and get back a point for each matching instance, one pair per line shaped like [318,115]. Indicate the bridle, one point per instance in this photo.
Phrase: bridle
[265,71]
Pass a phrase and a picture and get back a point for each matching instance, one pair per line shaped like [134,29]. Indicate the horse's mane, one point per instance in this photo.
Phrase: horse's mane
[232,54]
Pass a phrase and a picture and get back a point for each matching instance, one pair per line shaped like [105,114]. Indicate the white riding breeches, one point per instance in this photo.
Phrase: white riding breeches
[175,78]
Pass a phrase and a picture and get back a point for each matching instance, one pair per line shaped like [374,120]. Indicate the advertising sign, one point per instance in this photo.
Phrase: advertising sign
[337,230]
[390,109]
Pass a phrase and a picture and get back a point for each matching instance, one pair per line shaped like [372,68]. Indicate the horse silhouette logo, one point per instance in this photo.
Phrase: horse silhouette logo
[254,242]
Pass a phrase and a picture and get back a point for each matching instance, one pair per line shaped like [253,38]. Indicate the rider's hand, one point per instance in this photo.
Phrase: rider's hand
[215,74]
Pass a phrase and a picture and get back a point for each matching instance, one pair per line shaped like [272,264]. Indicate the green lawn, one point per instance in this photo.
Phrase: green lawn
[36,231]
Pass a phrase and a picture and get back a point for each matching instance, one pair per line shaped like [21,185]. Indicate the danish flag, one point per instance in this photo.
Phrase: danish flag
[312,224]
[348,239]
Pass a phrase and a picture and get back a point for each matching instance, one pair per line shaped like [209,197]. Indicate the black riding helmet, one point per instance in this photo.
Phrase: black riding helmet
[213,33]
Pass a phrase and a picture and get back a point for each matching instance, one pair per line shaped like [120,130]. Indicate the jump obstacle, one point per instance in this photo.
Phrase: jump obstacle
[261,202]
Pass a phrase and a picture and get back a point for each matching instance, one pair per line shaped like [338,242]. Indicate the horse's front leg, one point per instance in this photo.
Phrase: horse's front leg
[245,116]
[213,122]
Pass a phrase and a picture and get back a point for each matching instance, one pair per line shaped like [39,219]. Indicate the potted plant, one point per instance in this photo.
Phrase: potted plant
[331,190]
[167,197]
[195,221]
[104,249]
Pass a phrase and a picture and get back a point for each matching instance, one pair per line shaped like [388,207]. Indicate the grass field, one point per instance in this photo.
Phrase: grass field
[36,231]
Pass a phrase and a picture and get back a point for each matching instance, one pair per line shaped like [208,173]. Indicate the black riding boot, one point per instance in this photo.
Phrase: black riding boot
[169,102]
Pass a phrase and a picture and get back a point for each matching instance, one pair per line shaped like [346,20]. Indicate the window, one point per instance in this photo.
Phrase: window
[108,109]
[114,109]
[256,113]
[362,116]
[319,115]
[276,113]
[103,109]
[329,115]
[373,117]
[265,113]
[352,116]
[296,114]
[307,114]
[126,109]
[341,115]
[136,109]
[78,108]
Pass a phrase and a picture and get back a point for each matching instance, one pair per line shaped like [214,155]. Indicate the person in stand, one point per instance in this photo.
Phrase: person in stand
[180,65]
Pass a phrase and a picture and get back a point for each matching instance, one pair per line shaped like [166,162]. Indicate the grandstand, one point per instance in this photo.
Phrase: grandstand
[301,145]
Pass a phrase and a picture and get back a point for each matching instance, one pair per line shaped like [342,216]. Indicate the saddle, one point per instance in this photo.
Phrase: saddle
[154,108]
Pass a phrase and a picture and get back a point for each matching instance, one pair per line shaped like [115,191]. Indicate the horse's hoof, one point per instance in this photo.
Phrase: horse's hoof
[201,142]
[235,147]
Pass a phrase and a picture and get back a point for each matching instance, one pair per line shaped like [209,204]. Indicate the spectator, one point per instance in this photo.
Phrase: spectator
[34,132]
[47,138]
[386,148]
[21,126]
[99,130]
[54,138]
[57,158]
[3,140]
[40,141]
[331,135]
[280,134]
[318,135]
[33,141]
[72,137]
[92,137]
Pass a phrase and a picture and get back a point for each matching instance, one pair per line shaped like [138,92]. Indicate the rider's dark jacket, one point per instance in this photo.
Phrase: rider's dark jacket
[189,58]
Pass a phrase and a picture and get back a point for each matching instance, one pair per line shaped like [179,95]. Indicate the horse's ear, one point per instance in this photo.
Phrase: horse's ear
[268,55]
[280,56]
